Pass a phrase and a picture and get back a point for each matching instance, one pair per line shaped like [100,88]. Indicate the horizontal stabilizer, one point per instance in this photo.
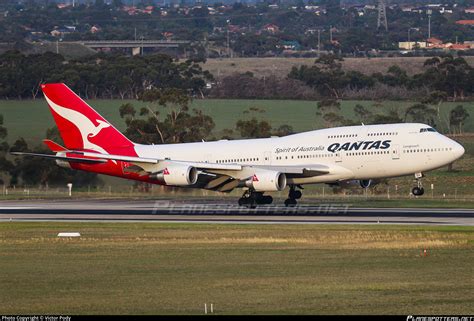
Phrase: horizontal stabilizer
[54,147]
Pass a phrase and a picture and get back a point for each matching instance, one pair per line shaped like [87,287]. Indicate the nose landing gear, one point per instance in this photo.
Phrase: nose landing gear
[418,190]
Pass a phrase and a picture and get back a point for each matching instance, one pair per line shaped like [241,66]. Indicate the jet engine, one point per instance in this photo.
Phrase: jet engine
[177,175]
[364,183]
[267,181]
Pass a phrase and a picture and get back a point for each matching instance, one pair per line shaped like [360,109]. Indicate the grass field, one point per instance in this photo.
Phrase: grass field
[31,118]
[127,268]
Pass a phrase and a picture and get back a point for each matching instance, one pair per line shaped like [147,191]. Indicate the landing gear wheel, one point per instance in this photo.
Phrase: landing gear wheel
[251,199]
[294,194]
[418,191]
[290,202]
[265,199]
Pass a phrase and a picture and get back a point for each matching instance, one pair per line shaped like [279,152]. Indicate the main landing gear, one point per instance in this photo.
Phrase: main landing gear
[252,198]
[293,195]
[418,190]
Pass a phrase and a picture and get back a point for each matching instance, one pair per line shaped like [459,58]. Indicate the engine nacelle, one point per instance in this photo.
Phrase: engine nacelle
[267,181]
[364,183]
[177,175]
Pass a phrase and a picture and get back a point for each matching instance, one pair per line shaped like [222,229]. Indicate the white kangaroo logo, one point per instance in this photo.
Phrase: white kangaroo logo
[84,124]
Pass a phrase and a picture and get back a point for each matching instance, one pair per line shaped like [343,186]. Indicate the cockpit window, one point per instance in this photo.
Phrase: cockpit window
[429,129]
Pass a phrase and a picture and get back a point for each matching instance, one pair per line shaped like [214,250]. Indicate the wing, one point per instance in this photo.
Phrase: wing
[212,176]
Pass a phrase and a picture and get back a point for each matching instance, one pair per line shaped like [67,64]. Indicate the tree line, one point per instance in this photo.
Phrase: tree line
[168,87]
[99,76]
[451,78]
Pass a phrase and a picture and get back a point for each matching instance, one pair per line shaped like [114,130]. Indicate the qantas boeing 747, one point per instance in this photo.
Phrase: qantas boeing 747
[343,155]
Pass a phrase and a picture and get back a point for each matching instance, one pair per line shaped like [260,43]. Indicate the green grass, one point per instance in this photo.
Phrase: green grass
[146,268]
[31,118]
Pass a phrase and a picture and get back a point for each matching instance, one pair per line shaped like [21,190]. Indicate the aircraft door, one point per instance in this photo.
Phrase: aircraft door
[267,158]
[396,152]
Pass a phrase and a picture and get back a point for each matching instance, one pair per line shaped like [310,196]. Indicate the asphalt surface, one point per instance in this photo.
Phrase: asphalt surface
[205,211]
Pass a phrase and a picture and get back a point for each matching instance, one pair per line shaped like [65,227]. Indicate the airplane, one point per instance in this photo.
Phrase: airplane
[344,156]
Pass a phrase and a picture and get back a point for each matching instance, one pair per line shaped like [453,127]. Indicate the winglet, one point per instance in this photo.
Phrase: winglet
[54,147]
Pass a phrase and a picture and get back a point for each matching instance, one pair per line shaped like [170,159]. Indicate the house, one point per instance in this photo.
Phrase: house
[132,10]
[70,28]
[211,10]
[459,47]
[271,28]
[95,29]
[435,43]
[469,10]
[233,28]
[311,8]
[291,45]
[465,22]
[148,10]
[61,32]
[168,35]
[444,10]
[311,31]
[63,5]
[410,45]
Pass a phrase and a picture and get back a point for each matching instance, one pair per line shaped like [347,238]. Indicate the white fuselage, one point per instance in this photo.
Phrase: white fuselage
[355,152]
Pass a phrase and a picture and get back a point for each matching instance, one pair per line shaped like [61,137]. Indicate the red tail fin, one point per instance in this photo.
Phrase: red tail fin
[80,126]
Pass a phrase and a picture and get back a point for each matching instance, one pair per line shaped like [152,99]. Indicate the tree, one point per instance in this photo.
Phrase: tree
[283,130]
[392,117]
[421,113]
[176,125]
[44,172]
[5,164]
[362,113]
[457,117]
[253,128]
[448,74]
[326,75]
[328,110]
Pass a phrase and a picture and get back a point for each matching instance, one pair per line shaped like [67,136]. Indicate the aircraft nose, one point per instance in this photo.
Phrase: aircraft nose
[458,150]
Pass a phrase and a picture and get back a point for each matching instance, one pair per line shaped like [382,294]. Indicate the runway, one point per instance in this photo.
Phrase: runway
[212,211]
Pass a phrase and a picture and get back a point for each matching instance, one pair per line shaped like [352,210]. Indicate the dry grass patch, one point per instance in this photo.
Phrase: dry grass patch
[315,237]
[280,67]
